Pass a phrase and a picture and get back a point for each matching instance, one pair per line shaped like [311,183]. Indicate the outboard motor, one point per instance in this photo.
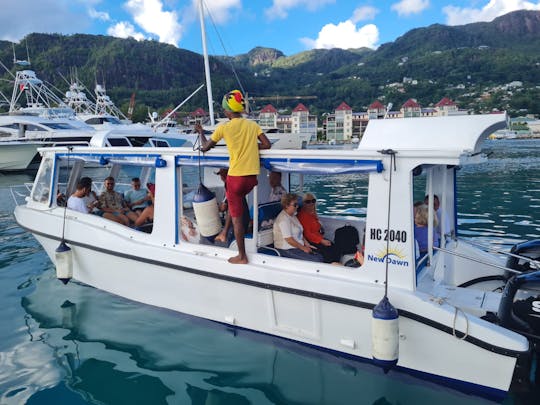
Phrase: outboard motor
[530,250]
[519,309]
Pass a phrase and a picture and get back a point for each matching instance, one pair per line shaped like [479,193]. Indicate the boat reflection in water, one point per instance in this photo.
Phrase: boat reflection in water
[115,351]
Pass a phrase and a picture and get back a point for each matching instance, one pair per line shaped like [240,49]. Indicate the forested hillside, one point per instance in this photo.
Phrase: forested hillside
[471,64]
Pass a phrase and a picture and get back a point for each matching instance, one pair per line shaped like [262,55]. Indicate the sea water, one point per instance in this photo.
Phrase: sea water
[75,344]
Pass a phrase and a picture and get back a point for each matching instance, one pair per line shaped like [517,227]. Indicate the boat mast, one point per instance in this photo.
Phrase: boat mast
[206,65]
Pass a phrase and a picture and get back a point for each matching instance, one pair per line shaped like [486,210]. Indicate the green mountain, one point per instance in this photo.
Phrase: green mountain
[470,63]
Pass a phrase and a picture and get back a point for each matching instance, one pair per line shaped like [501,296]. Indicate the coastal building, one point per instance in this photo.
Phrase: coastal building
[199,116]
[411,108]
[339,125]
[268,117]
[446,107]
[302,122]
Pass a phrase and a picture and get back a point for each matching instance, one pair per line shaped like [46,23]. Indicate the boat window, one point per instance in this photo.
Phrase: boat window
[118,141]
[31,127]
[42,185]
[58,125]
[112,120]
[11,126]
[94,121]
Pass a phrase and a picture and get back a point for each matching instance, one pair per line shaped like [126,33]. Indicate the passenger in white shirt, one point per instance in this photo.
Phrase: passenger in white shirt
[289,235]
[77,201]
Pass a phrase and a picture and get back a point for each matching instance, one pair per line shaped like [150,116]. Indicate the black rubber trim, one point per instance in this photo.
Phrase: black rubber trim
[304,293]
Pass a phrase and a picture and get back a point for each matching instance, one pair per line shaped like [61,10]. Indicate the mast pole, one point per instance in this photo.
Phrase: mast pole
[206,65]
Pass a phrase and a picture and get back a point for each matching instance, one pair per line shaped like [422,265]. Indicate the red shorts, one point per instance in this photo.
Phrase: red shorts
[237,189]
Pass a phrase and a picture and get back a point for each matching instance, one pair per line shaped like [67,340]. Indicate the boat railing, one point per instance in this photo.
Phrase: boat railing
[533,263]
[484,262]
[20,193]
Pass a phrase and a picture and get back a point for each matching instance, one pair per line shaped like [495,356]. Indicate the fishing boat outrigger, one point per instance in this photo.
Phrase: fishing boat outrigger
[451,315]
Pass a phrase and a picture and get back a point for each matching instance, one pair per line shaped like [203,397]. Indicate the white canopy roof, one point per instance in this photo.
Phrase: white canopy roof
[460,133]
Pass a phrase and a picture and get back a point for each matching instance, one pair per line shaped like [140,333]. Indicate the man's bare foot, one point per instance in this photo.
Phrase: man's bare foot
[238,260]
[221,238]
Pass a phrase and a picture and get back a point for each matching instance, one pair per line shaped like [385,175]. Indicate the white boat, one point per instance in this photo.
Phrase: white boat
[455,324]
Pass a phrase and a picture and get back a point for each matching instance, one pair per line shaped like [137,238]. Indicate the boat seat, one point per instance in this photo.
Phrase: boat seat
[267,214]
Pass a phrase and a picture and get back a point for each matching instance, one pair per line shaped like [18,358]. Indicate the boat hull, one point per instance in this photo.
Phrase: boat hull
[329,312]
[16,156]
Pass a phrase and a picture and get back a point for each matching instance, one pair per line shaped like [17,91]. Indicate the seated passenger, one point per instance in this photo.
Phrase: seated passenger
[277,190]
[314,232]
[113,205]
[92,202]
[289,235]
[421,229]
[77,200]
[147,215]
[137,198]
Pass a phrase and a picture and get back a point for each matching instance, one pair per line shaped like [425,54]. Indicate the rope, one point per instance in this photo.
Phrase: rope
[441,301]
[69,148]
[392,154]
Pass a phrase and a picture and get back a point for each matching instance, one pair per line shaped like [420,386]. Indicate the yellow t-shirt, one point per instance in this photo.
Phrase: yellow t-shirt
[241,137]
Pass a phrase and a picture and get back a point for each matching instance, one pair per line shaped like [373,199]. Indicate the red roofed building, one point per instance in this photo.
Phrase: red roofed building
[376,110]
[411,109]
[303,123]
[339,125]
[268,117]
[446,107]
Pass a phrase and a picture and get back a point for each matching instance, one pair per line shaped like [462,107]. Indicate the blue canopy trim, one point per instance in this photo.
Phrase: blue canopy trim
[126,159]
[210,161]
[322,166]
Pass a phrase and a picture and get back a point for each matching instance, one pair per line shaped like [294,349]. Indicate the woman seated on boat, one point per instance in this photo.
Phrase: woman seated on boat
[147,215]
[289,234]
[421,229]
[314,232]
[113,206]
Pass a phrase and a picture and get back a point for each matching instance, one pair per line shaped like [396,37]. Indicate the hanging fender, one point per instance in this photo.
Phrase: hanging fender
[385,334]
[206,212]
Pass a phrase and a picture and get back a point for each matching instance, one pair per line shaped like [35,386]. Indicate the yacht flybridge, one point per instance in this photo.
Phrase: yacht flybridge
[455,306]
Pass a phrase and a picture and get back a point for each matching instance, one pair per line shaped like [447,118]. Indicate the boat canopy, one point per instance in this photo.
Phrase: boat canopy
[292,165]
[128,159]
[453,134]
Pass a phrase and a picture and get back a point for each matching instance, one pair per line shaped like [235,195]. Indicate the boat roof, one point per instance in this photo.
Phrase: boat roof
[455,134]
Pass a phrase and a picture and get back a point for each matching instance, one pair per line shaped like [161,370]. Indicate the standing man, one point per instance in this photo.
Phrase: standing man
[242,137]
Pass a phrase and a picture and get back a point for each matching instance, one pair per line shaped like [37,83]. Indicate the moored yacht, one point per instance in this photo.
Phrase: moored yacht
[457,304]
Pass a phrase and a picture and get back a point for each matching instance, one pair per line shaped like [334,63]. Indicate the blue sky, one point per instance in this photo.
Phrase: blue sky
[236,26]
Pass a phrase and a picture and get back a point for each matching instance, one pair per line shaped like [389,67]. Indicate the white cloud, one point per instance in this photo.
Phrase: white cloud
[280,8]
[98,15]
[221,11]
[22,17]
[494,8]
[364,13]
[124,29]
[407,7]
[345,35]
[150,16]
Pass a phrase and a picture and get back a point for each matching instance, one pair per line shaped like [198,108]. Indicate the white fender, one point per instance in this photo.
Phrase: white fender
[64,262]
[385,334]
[206,212]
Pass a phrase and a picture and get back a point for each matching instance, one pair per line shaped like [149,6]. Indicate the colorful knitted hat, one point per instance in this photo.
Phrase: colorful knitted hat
[233,101]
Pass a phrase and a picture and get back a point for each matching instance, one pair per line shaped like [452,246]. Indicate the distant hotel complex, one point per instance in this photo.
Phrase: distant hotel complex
[343,125]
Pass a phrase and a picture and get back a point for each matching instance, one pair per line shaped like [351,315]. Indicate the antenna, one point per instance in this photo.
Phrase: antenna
[23,63]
